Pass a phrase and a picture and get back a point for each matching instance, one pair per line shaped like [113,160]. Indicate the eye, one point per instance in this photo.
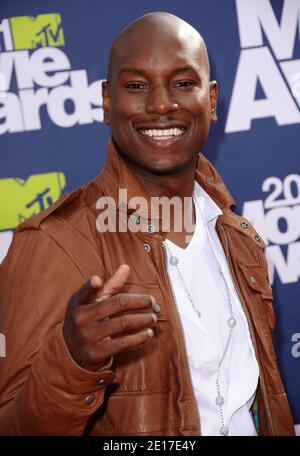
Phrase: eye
[184,83]
[135,86]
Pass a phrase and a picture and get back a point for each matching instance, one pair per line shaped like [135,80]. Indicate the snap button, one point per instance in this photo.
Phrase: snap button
[147,248]
[244,225]
[150,228]
[252,279]
[88,400]
[102,382]
[257,238]
[136,218]
[156,309]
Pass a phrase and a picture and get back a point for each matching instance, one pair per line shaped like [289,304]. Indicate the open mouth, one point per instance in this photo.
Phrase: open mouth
[162,136]
[163,133]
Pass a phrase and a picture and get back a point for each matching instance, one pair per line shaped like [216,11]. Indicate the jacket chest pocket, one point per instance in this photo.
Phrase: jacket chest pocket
[259,287]
[144,369]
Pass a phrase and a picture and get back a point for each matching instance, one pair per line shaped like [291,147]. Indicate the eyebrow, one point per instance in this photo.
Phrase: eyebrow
[134,70]
[142,72]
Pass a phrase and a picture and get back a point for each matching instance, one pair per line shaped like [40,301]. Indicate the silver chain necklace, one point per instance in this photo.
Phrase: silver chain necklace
[231,323]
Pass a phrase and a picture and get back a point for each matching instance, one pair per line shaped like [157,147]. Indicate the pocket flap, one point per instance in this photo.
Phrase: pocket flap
[257,279]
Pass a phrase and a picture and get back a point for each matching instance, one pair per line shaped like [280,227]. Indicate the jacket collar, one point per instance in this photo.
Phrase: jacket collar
[117,175]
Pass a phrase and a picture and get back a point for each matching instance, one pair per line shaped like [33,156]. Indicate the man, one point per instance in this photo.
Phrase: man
[171,332]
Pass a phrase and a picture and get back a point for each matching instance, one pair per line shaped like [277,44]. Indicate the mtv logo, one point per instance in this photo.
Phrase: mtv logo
[31,32]
[22,198]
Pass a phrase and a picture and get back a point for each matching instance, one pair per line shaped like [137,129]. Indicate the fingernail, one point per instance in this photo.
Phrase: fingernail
[153,300]
[156,309]
[154,318]
[150,332]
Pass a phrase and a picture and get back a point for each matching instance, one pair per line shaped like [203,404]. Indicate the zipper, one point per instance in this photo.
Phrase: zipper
[173,300]
[262,380]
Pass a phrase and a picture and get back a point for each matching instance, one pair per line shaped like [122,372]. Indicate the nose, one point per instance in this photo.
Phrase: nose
[160,102]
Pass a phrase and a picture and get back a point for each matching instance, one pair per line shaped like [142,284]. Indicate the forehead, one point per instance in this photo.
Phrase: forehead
[156,49]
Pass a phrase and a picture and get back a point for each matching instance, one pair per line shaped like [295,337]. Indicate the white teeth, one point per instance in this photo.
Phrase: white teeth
[165,133]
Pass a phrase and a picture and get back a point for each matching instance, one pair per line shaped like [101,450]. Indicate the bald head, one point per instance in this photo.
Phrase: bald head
[157,28]
[158,79]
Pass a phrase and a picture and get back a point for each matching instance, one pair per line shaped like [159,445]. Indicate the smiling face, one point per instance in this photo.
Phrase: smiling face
[158,98]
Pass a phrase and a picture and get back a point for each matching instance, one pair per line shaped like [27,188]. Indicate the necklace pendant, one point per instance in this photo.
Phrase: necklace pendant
[220,400]
[231,322]
[174,260]
[224,430]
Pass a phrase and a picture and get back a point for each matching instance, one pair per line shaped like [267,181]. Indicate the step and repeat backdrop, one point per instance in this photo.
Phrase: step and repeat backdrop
[53,56]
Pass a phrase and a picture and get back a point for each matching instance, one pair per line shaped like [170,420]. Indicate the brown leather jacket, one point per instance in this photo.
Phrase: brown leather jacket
[147,391]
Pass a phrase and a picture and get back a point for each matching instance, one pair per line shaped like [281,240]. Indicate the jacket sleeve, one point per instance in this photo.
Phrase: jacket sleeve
[42,390]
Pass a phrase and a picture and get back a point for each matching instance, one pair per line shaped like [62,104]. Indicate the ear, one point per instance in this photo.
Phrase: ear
[106,102]
[213,94]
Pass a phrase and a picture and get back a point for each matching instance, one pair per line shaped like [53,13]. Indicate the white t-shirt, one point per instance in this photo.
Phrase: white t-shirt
[199,264]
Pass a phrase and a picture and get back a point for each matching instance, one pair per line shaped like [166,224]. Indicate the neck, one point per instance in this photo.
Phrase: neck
[179,185]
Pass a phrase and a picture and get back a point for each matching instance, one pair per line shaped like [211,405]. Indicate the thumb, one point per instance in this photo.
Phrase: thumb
[88,291]
[114,284]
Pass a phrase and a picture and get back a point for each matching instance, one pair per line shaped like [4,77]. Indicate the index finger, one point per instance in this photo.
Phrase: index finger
[114,284]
